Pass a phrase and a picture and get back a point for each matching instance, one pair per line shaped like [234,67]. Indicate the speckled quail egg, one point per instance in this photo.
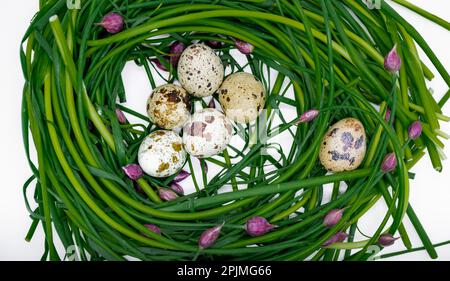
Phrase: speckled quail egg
[242,97]
[344,146]
[161,154]
[207,133]
[200,70]
[168,106]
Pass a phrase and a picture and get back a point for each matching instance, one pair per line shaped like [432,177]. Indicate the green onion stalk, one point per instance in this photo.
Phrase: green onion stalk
[329,53]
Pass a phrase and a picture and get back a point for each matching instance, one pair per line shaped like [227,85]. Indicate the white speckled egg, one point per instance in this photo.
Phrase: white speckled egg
[200,70]
[161,154]
[207,133]
[168,106]
[242,97]
[344,146]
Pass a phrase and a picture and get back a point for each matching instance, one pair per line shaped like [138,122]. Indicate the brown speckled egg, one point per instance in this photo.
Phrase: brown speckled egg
[242,97]
[161,154]
[207,133]
[168,106]
[344,146]
[200,70]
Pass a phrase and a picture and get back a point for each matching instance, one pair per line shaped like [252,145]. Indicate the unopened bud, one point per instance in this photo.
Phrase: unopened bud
[112,22]
[338,237]
[244,47]
[153,228]
[386,240]
[392,61]
[258,226]
[209,236]
[167,194]
[415,130]
[333,217]
[389,163]
[133,171]
[308,116]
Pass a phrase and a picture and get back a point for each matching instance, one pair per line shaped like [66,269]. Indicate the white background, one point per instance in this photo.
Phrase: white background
[430,191]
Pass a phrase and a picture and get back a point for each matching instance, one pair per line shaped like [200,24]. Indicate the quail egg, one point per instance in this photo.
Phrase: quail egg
[168,106]
[161,154]
[242,97]
[200,70]
[207,133]
[344,146]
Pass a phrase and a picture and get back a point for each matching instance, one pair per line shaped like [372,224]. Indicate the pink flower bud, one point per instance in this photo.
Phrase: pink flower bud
[209,236]
[167,194]
[258,226]
[389,163]
[212,103]
[333,217]
[244,47]
[338,237]
[386,240]
[308,116]
[177,188]
[181,176]
[175,52]
[392,61]
[133,171]
[153,228]
[388,115]
[120,116]
[415,130]
[112,22]
[214,44]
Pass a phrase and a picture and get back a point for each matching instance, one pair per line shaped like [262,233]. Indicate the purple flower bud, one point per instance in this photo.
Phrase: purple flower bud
[209,236]
[167,194]
[153,228]
[120,116]
[308,116]
[112,22]
[388,115]
[181,176]
[415,130]
[177,188]
[244,47]
[392,61]
[333,217]
[158,64]
[386,240]
[338,237]
[175,52]
[133,171]
[389,163]
[212,103]
[258,226]
[214,44]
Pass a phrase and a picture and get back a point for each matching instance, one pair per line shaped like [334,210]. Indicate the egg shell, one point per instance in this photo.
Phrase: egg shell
[207,133]
[200,70]
[242,97]
[168,106]
[344,146]
[161,154]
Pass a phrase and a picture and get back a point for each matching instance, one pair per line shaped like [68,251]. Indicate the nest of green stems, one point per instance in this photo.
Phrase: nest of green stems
[329,52]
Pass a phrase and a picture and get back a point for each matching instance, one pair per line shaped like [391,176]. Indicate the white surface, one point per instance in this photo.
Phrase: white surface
[430,191]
